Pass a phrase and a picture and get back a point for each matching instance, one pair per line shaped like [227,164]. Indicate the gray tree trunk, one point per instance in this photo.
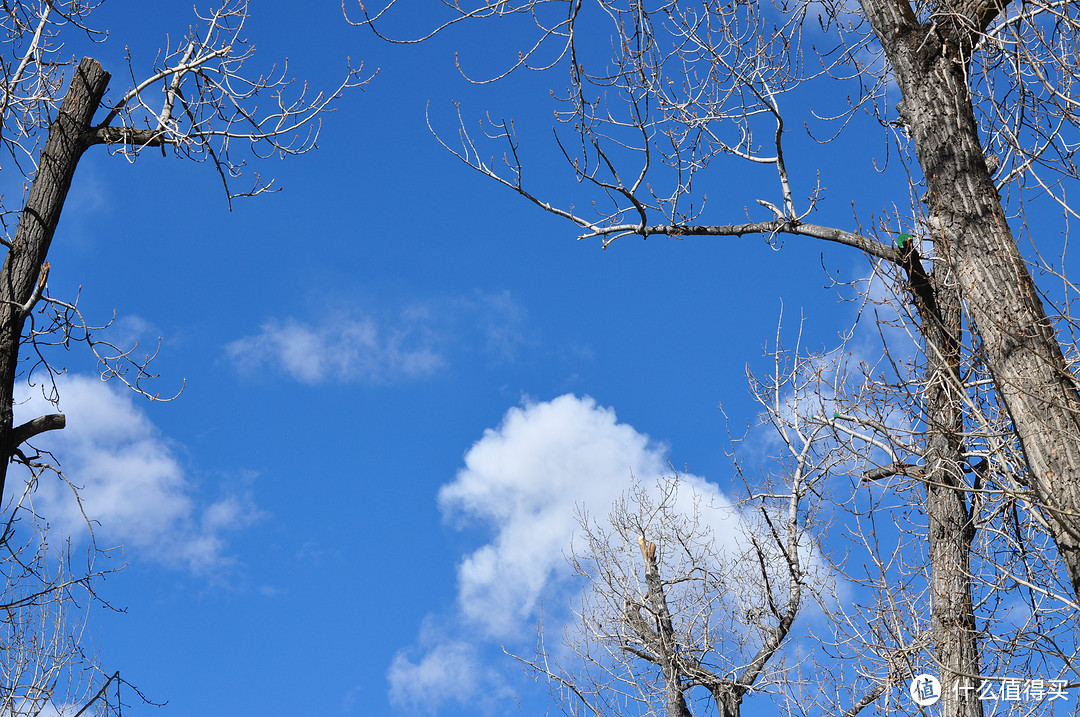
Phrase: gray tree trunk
[951,522]
[659,638]
[929,61]
[69,136]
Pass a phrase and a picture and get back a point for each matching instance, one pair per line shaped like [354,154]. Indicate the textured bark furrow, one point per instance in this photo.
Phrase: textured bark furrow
[37,224]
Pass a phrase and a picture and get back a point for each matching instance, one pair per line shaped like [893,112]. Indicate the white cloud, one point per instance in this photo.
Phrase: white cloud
[131,483]
[445,670]
[344,350]
[500,319]
[526,481]
[412,343]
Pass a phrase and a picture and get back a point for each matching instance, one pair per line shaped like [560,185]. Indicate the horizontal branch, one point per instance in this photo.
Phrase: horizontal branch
[126,135]
[41,424]
[902,469]
[777,226]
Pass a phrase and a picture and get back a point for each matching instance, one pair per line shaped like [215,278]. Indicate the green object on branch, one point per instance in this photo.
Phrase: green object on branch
[836,414]
[902,239]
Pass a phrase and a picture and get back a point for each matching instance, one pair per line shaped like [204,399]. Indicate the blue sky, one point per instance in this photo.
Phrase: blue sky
[399,381]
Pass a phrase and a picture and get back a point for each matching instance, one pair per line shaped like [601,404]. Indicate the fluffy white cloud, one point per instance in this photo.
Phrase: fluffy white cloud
[526,481]
[412,343]
[444,670]
[130,482]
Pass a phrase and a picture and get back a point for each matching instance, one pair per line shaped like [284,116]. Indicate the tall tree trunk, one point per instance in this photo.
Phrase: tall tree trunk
[659,638]
[951,527]
[930,61]
[24,264]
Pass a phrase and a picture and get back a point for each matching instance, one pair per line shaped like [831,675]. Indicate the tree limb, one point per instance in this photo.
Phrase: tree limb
[777,226]
[41,424]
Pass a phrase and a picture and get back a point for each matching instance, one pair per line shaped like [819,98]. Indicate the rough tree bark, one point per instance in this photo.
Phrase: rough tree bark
[983,277]
[951,521]
[930,62]
[25,269]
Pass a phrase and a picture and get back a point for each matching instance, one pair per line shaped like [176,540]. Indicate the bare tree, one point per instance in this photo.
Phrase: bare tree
[46,665]
[690,84]
[693,607]
[971,587]
[691,604]
[200,100]
[678,623]
[665,102]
